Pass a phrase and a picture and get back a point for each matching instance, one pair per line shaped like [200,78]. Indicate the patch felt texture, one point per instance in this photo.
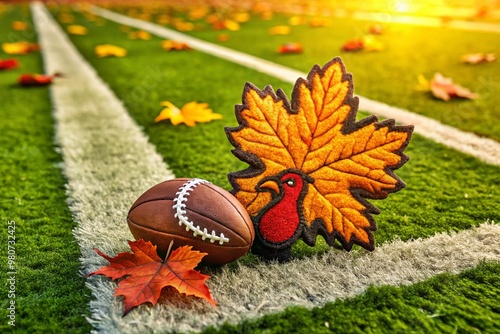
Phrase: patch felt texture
[312,166]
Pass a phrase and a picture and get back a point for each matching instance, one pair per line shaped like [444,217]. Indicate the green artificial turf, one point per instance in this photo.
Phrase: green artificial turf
[391,75]
[464,303]
[447,190]
[50,295]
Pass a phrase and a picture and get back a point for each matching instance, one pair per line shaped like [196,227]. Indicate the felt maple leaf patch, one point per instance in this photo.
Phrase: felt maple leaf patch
[312,166]
[143,274]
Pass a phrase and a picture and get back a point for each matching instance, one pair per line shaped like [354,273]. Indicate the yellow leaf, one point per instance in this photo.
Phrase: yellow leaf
[184,26]
[19,48]
[241,17]
[370,43]
[77,30]
[189,114]
[140,34]
[108,50]
[423,83]
[279,30]
[296,20]
[312,164]
[163,19]
[231,25]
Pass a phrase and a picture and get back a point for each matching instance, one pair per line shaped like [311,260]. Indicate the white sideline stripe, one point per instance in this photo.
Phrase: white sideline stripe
[426,21]
[485,149]
[108,162]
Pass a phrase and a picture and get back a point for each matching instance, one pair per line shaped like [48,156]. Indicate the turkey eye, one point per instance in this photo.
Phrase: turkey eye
[290,182]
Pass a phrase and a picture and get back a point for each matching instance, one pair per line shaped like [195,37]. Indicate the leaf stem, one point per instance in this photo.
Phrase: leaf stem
[168,251]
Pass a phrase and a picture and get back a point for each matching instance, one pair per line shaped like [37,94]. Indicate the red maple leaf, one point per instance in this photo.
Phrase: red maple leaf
[143,274]
[8,64]
[34,80]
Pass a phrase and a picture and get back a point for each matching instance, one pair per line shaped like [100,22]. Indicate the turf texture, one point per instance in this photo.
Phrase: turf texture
[50,295]
[446,191]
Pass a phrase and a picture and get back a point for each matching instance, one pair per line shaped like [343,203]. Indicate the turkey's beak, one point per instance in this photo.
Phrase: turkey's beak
[270,185]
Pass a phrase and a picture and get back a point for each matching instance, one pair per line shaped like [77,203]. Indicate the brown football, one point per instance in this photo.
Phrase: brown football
[193,212]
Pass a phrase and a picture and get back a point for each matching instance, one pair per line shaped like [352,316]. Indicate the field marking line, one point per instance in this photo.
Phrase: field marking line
[485,149]
[108,162]
[424,21]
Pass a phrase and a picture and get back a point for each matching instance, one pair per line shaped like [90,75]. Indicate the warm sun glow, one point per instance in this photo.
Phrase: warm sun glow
[401,6]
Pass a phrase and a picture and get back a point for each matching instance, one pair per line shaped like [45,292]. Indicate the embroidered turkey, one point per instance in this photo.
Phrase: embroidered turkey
[312,166]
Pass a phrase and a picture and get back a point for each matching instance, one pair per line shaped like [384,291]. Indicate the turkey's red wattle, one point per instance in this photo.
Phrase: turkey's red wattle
[281,221]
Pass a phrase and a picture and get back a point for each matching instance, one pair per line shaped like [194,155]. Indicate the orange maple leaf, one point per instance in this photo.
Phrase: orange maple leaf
[311,164]
[107,50]
[143,274]
[189,114]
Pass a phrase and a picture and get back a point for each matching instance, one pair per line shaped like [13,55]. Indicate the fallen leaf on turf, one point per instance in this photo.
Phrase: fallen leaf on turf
[108,50]
[370,43]
[140,34]
[353,45]
[241,17]
[19,48]
[143,274]
[19,25]
[444,88]
[163,19]
[375,29]
[8,64]
[223,37]
[279,30]
[231,25]
[317,22]
[290,48]
[314,139]
[169,45]
[476,58]
[296,20]
[35,80]
[366,43]
[183,26]
[76,29]
[225,24]
[423,84]
[190,113]
[197,13]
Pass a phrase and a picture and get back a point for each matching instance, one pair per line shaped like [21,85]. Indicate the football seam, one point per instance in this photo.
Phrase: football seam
[180,213]
[174,235]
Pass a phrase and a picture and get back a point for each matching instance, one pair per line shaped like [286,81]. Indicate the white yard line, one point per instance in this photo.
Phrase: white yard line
[108,162]
[484,149]
[426,21]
